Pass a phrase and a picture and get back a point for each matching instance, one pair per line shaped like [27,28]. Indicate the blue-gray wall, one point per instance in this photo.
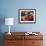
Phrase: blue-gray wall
[9,8]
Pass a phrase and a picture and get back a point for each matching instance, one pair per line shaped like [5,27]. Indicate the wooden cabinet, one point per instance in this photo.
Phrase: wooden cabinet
[20,39]
[13,43]
[33,43]
[15,39]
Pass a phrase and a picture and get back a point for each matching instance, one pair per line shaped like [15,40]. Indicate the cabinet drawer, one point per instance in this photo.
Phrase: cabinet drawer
[33,37]
[33,43]
[16,37]
[37,43]
[9,43]
[13,43]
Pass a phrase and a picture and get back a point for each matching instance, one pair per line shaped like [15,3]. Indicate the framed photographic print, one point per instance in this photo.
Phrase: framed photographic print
[27,15]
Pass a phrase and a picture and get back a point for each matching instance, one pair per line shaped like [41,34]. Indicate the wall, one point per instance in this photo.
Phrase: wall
[9,8]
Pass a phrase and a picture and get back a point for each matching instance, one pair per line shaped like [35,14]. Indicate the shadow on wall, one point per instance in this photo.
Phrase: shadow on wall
[2,21]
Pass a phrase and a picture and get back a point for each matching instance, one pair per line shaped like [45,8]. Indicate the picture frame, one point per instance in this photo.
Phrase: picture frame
[27,16]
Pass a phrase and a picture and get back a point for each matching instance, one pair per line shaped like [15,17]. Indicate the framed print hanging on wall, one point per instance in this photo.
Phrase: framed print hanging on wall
[27,16]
